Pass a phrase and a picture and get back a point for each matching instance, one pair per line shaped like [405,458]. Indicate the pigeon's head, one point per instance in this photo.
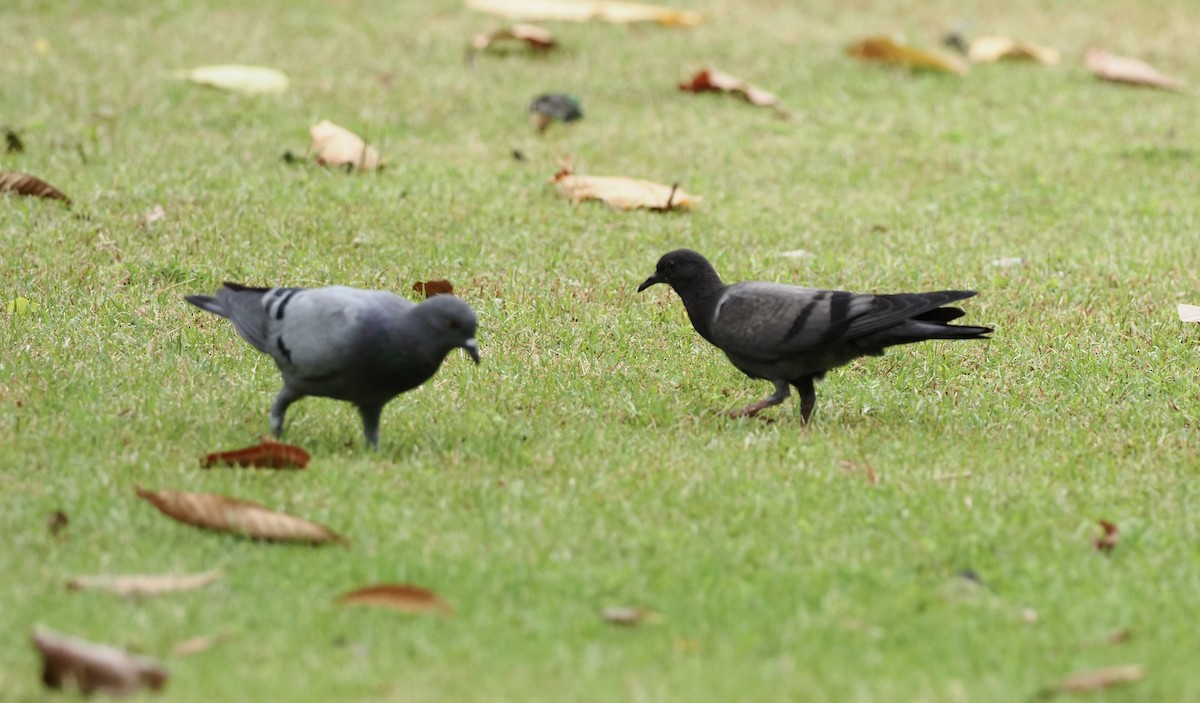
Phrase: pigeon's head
[451,323]
[681,269]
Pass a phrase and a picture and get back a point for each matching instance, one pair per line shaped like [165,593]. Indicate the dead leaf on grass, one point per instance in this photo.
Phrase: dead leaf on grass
[195,645]
[1098,679]
[1189,313]
[629,616]
[436,286]
[992,49]
[135,586]
[250,80]
[532,35]
[338,146]
[1108,540]
[712,80]
[57,522]
[153,215]
[27,184]
[12,142]
[895,51]
[585,11]
[1119,69]
[623,193]
[268,454]
[94,668]
[402,597]
[219,513]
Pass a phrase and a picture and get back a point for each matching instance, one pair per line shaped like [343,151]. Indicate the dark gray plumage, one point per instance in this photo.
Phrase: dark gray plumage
[791,336]
[362,346]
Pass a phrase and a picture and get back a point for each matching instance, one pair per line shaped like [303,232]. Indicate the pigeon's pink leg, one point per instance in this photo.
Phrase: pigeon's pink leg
[782,391]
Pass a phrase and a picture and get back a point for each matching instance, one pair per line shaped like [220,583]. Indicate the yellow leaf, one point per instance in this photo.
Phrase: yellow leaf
[21,306]
[239,79]
[1119,69]
[992,49]
[623,193]
[533,35]
[585,10]
[889,50]
[338,146]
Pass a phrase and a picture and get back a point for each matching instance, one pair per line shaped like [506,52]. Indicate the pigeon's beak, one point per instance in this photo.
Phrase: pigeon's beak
[472,348]
[655,278]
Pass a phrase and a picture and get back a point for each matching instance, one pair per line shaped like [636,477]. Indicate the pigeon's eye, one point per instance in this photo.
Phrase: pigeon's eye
[454,324]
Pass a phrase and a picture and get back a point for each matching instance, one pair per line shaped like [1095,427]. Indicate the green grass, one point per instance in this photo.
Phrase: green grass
[585,462]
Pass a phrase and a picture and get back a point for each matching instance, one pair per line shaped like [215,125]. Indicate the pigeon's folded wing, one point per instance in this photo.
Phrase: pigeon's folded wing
[769,321]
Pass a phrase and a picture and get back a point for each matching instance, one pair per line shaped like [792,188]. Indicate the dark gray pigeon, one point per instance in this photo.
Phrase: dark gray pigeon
[791,336]
[362,346]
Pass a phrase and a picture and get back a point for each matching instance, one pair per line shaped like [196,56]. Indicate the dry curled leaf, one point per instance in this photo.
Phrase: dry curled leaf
[895,51]
[195,645]
[153,215]
[585,11]
[1119,69]
[26,184]
[1108,540]
[338,146]
[144,585]
[268,454]
[992,49]
[238,79]
[623,193]
[219,513]
[1189,313]
[436,286]
[402,597]
[710,79]
[1097,679]
[94,668]
[57,522]
[532,35]
[629,616]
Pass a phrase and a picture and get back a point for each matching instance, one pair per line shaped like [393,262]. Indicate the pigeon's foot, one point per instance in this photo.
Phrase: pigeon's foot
[781,393]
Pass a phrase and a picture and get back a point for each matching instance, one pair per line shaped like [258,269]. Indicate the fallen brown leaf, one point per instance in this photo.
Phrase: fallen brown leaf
[890,50]
[992,49]
[57,522]
[224,514]
[338,146]
[629,616]
[195,645]
[402,597]
[26,184]
[623,193]
[712,80]
[153,215]
[94,668]
[1108,540]
[1119,69]
[436,286]
[585,10]
[1118,636]
[534,36]
[144,585]
[1189,313]
[1097,679]
[268,454]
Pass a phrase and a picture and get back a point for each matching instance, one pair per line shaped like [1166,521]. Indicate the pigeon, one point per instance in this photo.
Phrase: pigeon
[362,346]
[790,335]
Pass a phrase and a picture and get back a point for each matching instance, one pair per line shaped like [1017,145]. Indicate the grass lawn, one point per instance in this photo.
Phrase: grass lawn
[585,463]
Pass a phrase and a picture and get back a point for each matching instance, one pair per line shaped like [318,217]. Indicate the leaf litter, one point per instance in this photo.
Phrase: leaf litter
[143,585]
[220,513]
[403,597]
[267,454]
[70,662]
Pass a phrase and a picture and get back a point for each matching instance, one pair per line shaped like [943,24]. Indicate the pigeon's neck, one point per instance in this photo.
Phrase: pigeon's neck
[700,298]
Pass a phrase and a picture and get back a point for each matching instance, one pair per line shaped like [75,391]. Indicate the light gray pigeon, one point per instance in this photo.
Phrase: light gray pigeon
[791,336]
[362,346]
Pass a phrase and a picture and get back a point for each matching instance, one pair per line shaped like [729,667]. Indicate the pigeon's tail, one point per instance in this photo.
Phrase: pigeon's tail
[208,303]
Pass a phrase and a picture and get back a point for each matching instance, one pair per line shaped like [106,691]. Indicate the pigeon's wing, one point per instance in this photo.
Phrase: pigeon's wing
[890,310]
[769,321]
[321,333]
